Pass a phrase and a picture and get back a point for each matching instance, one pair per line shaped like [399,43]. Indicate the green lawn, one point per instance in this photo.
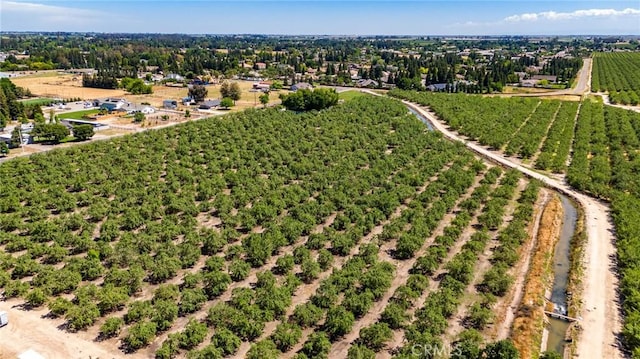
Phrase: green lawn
[38,101]
[351,94]
[78,114]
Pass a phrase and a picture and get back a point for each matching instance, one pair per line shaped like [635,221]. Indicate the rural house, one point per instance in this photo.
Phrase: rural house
[170,104]
[301,86]
[209,104]
[111,104]
[367,83]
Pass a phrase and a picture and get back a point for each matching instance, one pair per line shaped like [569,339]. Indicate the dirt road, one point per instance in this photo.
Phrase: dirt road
[607,101]
[43,336]
[601,321]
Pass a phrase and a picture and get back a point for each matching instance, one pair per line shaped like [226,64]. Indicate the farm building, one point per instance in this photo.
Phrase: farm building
[97,126]
[550,78]
[367,83]
[175,77]
[437,87]
[5,137]
[262,86]
[301,86]
[170,104]
[25,129]
[146,109]
[209,104]
[111,104]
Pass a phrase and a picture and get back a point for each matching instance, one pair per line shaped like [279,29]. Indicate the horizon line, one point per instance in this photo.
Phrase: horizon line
[2,32]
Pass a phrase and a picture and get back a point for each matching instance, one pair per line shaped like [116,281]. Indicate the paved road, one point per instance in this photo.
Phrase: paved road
[582,87]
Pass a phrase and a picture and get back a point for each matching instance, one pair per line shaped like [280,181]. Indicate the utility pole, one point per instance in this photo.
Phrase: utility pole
[21,140]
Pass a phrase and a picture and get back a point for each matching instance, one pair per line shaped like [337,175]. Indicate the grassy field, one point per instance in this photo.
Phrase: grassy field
[516,89]
[78,115]
[351,94]
[38,101]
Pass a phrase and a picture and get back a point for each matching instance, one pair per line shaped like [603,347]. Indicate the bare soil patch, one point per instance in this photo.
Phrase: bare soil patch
[529,320]
[27,330]
[63,86]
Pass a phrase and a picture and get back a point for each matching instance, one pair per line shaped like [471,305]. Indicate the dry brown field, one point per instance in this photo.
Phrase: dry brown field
[56,85]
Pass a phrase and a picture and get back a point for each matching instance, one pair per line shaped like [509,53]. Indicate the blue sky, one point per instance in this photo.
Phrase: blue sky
[453,17]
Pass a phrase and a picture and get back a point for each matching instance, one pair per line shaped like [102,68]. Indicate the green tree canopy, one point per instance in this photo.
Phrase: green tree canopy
[306,100]
[226,102]
[198,93]
[83,132]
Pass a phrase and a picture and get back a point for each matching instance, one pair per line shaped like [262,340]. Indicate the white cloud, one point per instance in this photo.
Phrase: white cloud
[45,15]
[610,21]
[589,13]
[33,8]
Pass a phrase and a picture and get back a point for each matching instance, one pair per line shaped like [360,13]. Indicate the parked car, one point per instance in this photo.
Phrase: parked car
[4,319]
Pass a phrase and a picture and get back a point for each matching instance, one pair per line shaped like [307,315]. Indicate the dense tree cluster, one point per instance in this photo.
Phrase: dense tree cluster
[564,68]
[198,93]
[230,90]
[135,86]
[10,108]
[306,100]
[53,132]
[83,132]
[408,63]
[100,80]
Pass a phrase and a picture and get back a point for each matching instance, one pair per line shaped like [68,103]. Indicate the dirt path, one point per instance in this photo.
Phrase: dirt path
[456,322]
[504,328]
[435,279]
[600,315]
[538,150]
[402,274]
[526,120]
[607,101]
[311,288]
[44,336]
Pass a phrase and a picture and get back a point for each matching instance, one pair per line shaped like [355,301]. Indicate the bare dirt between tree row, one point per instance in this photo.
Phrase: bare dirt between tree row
[505,308]
[377,307]
[530,279]
[403,268]
[601,321]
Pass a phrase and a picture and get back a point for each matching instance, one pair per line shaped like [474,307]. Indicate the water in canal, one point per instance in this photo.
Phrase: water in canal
[561,260]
